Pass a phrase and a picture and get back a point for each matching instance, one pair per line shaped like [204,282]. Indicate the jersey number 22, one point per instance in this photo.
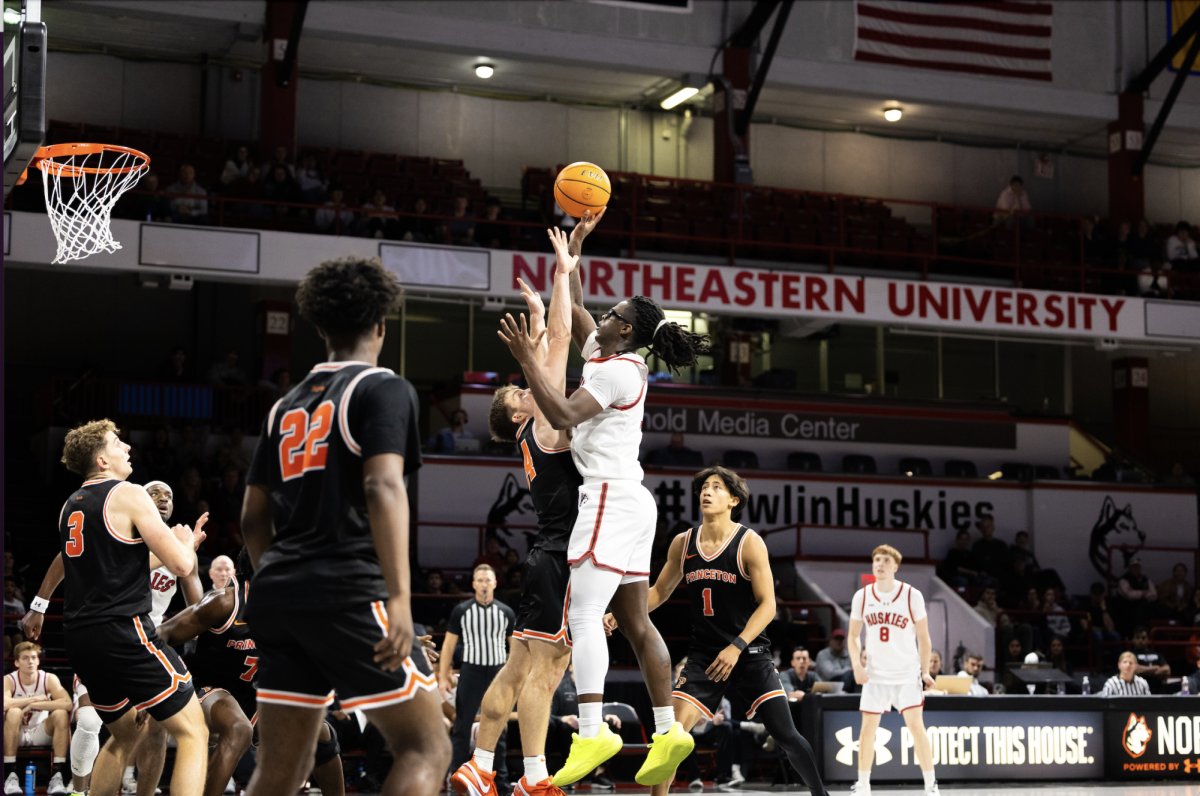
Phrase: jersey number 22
[302,446]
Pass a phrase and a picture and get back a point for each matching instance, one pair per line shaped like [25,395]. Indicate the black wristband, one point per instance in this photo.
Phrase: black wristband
[739,643]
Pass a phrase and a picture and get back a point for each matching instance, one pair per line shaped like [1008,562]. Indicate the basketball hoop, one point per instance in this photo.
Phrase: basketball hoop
[81,183]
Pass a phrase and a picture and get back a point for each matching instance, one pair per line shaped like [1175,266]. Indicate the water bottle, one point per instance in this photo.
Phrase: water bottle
[1061,689]
[1087,686]
[30,778]
[1185,689]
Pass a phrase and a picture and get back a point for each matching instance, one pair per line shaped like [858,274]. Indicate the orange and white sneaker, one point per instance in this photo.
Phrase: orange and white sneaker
[470,780]
[544,788]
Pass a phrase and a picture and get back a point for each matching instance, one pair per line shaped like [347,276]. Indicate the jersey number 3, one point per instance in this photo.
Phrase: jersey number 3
[74,547]
[303,446]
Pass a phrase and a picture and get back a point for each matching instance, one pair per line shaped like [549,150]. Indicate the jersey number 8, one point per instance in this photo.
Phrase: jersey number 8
[302,446]
[883,633]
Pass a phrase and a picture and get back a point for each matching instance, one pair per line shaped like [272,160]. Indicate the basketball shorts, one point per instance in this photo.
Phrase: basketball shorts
[246,701]
[754,678]
[35,734]
[542,611]
[79,689]
[881,697]
[306,655]
[126,665]
[615,527]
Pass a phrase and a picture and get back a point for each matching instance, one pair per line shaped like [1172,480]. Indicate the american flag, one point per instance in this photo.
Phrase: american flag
[1007,38]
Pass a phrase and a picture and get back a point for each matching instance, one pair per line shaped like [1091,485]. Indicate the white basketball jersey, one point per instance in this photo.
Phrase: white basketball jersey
[162,589]
[606,447]
[890,622]
[21,691]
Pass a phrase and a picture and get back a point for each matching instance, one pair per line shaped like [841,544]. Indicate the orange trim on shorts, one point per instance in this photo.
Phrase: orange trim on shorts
[762,699]
[109,709]
[416,679]
[176,678]
[699,706]
[562,630]
[289,698]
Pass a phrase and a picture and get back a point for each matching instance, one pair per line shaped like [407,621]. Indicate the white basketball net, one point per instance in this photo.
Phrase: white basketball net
[80,190]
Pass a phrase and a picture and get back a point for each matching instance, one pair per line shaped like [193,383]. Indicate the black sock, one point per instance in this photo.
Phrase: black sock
[64,768]
[10,768]
[776,716]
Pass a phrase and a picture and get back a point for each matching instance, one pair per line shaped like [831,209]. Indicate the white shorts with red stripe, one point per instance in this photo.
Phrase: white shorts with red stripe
[881,697]
[615,527]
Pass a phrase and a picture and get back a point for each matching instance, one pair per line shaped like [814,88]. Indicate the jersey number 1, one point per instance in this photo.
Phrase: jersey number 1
[708,611]
[74,547]
[302,446]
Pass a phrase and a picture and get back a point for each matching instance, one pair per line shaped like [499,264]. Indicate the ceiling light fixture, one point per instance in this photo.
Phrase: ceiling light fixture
[679,96]
[892,114]
[484,71]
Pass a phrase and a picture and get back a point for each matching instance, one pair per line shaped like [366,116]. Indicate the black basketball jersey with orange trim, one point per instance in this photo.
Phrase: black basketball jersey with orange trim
[107,576]
[719,591]
[225,656]
[554,484]
[310,460]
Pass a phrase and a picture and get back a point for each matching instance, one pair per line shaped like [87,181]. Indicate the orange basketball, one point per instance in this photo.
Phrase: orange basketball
[581,187]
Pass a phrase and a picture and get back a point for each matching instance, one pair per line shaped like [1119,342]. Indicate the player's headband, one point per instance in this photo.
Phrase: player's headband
[148,486]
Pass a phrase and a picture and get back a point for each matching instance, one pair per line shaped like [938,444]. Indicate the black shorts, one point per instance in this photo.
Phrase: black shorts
[245,702]
[126,665]
[304,656]
[754,678]
[542,612]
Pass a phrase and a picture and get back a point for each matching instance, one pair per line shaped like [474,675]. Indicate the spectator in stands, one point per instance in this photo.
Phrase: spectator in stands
[159,457]
[833,662]
[227,371]
[18,575]
[1017,583]
[139,474]
[279,383]
[564,721]
[189,497]
[1179,477]
[144,206]
[188,211]
[489,233]
[378,220]
[41,720]
[1153,281]
[1142,247]
[239,457]
[1127,682]
[1175,593]
[1057,620]
[1058,655]
[491,555]
[935,663]
[1113,467]
[721,732]
[280,186]
[1181,249]
[1150,664]
[1099,623]
[1020,549]
[462,226]
[972,666]
[280,158]
[990,552]
[960,568]
[189,452]
[1094,249]
[419,230]
[249,189]
[227,511]
[237,167]
[676,454]
[1012,199]
[176,370]
[444,440]
[220,571]
[1014,656]
[799,680]
[12,605]
[1137,592]
[335,217]
[989,609]
[311,180]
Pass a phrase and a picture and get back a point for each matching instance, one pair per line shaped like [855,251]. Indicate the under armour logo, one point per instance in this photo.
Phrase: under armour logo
[845,737]
[1189,766]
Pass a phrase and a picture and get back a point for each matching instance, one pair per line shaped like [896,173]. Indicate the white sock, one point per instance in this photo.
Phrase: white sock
[864,777]
[591,716]
[535,769]
[663,719]
[928,777]
[8,759]
[483,759]
[56,760]
[129,772]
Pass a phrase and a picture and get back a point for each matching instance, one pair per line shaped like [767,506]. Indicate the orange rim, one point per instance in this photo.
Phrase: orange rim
[44,159]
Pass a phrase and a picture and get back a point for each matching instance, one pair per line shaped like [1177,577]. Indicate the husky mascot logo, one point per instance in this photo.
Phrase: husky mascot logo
[1116,527]
[845,737]
[1136,736]
[512,498]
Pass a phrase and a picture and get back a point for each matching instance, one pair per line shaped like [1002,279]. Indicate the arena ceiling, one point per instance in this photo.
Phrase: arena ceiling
[337,44]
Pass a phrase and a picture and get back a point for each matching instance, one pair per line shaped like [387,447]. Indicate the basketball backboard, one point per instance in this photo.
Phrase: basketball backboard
[24,86]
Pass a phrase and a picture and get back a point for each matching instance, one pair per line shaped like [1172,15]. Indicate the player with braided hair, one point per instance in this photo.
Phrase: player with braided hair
[609,549]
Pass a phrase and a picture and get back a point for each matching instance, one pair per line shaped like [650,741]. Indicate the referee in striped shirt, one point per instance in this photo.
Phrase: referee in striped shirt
[484,625]
[1126,683]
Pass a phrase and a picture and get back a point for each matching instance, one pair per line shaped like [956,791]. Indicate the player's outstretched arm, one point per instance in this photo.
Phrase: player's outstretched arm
[387,511]
[925,648]
[212,611]
[561,309]
[172,545]
[562,412]
[258,527]
[537,318]
[31,623]
[762,583]
[582,322]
